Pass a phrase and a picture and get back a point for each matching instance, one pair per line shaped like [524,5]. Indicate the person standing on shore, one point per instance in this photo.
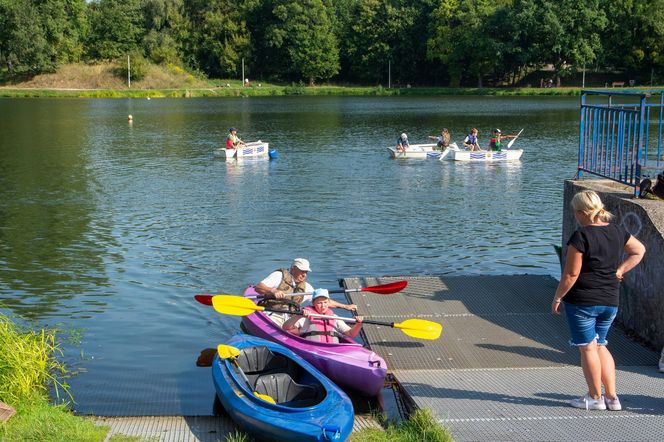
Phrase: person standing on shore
[590,288]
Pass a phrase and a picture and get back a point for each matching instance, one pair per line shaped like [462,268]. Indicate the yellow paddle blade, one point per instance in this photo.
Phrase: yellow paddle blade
[235,305]
[420,328]
[227,352]
[265,397]
[230,352]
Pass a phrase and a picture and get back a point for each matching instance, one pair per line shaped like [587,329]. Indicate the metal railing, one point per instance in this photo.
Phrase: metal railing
[618,139]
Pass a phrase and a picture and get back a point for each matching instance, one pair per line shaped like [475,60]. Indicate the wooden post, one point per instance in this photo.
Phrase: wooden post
[128,72]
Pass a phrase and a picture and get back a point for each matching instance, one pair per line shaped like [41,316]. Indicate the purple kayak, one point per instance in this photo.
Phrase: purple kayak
[347,363]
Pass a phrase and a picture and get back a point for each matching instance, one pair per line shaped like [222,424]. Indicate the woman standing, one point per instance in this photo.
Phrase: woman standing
[590,287]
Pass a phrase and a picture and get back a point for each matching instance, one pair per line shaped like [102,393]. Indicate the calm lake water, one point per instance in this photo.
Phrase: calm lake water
[108,229]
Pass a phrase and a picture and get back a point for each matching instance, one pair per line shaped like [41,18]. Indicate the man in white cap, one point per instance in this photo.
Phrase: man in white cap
[284,281]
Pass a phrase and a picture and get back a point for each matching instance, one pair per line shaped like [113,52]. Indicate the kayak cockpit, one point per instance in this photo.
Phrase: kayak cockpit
[279,377]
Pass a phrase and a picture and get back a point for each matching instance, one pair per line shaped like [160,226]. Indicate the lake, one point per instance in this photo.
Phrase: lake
[108,229]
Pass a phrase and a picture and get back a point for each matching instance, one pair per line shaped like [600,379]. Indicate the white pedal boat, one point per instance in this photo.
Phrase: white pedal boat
[413,151]
[456,154]
[249,150]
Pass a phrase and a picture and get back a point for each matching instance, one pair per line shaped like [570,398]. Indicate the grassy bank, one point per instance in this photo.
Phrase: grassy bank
[102,81]
[274,90]
[28,367]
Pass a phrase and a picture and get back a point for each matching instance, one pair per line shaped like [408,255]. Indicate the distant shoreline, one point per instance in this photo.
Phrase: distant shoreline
[255,91]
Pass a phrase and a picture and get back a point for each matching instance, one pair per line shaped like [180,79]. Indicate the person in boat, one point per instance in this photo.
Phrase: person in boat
[495,142]
[471,141]
[402,143]
[321,329]
[232,140]
[442,140]
[282,282]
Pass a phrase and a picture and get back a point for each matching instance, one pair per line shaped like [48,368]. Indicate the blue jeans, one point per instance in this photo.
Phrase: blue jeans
[589,322]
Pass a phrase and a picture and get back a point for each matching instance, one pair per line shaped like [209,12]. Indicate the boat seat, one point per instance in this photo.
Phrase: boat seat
[260,360]
[285,391]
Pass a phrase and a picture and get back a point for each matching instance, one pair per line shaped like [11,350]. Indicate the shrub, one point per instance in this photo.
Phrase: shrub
[138,65]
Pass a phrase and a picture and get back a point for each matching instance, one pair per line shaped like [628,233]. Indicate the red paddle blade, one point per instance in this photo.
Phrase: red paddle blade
[386,289]
[204,299]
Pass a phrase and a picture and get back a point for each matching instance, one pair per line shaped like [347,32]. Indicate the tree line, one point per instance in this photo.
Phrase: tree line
[421,42]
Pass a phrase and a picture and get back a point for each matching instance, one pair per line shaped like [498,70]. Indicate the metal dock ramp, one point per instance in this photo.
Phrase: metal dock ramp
[502,369]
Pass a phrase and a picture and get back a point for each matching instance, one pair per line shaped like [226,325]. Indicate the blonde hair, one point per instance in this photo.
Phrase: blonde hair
[591,205]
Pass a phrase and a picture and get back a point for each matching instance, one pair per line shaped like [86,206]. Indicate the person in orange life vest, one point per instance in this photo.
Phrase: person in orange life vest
[232,140]
[320,329]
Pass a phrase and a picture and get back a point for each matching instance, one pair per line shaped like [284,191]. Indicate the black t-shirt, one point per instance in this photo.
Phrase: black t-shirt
[602,248]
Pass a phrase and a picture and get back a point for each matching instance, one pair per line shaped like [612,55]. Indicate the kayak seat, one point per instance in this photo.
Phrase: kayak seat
[260,360]
[285,391]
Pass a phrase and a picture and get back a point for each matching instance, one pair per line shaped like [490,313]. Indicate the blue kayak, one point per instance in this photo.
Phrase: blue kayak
[274,394]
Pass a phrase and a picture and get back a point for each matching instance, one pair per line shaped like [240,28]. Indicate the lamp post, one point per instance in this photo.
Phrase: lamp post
[583,77]
[389,74]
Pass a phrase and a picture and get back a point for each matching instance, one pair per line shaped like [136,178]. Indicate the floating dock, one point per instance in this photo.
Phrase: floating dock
[503,369]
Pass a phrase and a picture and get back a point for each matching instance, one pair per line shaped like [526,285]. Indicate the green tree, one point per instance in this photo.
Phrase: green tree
[568,33]
[216,37]
[116,28]
[23,45]
[300,33]
[65,28]
[634,37]
[369,38]
[164,23]
[520,21]
[460,39]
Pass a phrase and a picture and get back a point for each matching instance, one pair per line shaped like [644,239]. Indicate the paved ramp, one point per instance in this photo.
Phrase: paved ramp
[502,369]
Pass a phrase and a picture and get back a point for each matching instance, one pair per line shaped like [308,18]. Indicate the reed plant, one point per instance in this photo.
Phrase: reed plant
[28,369]
[421,426]
[28,363]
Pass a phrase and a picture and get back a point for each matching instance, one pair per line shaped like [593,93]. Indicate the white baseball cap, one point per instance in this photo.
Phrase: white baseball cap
[302,264]
[320,293]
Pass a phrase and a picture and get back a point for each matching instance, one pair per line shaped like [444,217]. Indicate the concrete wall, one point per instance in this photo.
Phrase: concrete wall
[642,295]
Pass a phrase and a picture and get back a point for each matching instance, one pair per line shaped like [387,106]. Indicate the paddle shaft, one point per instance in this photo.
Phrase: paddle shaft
[291,295]
[316,315]
[514,139]
[383,289]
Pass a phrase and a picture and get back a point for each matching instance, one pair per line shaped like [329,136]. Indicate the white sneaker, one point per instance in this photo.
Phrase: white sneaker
[588,403]
[661,362]
[613,404]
